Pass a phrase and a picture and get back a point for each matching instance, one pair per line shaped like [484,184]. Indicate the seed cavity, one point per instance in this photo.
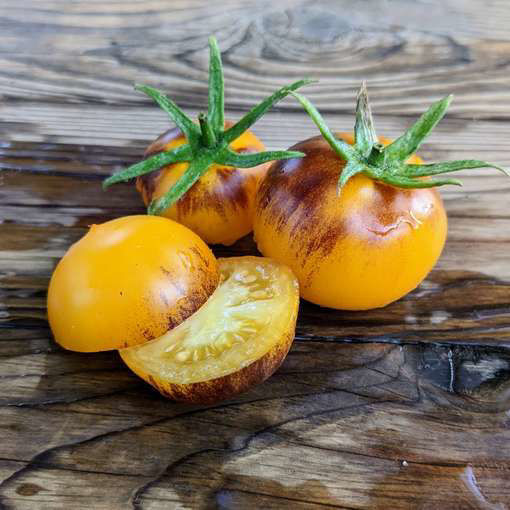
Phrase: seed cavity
[238,327]
[238,338]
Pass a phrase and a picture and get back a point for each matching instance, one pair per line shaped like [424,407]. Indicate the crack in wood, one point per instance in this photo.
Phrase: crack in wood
[38,460]
[136,503]
[294,500]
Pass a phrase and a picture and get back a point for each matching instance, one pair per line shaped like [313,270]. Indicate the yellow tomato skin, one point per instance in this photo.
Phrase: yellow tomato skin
[128,281]
[362,250]
[219,206]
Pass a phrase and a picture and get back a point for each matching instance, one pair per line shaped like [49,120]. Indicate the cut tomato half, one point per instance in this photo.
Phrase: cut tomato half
[238,338]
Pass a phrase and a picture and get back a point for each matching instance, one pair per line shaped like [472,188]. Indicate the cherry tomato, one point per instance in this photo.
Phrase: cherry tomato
[363,249]
[235,340]
[219,206]
[128,281]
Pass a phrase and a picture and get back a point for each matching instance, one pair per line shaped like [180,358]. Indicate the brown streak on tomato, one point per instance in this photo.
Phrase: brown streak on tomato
[232,189]
[155,384]
[147,183]
[296,190]
[166,272]
[191,304]
[163,140]
[193,301]
[199,197]
[197,252]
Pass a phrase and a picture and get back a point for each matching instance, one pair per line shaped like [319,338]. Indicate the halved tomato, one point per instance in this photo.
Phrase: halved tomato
[238,338]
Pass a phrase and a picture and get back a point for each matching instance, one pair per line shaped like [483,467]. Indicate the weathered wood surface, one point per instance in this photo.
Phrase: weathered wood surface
[400,408]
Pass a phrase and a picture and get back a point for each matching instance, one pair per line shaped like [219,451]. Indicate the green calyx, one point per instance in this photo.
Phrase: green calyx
[208,141]
[388,164]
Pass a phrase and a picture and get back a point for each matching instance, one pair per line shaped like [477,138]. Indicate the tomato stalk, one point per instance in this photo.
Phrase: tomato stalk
[208,142]
[388,164]
[208,136]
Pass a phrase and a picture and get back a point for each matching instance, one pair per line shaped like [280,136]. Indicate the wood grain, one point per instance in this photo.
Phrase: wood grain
[400,408]
[410,52]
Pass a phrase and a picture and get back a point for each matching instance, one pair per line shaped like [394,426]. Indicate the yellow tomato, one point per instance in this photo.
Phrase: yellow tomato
[219,206]
[361,250]
[128,281]
[237,339]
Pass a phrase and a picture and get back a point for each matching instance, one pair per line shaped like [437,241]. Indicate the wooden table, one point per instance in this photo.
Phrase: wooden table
[404,407]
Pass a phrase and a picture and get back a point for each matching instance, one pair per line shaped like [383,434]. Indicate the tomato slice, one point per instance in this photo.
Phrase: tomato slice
[238,338]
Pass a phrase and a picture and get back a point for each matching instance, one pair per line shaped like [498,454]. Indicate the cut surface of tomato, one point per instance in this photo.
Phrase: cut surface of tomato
[237,338]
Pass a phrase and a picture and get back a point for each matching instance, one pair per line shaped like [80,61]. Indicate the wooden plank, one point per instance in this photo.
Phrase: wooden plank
[365,432]
[410,52]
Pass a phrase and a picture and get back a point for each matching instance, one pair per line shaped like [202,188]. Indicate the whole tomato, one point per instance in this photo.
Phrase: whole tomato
[362,250]
[357,219]
[205,175]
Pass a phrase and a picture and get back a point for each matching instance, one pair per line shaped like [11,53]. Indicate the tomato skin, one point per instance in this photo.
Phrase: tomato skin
[219,206]
[363,250]
[128,281]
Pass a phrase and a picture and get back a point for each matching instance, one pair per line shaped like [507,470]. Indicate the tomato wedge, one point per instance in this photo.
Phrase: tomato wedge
[238,338]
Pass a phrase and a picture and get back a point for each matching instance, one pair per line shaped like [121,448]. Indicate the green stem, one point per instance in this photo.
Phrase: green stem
[216,109]
[376,156]
[343,149]
[388,163]
[208,136]
[207,143]
[196,169]
[257,158]
[364,131]
[182,153]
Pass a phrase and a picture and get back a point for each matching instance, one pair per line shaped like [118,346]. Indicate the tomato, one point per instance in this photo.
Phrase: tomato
[128,281]
[238,338]
[219,206]
[363,249]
